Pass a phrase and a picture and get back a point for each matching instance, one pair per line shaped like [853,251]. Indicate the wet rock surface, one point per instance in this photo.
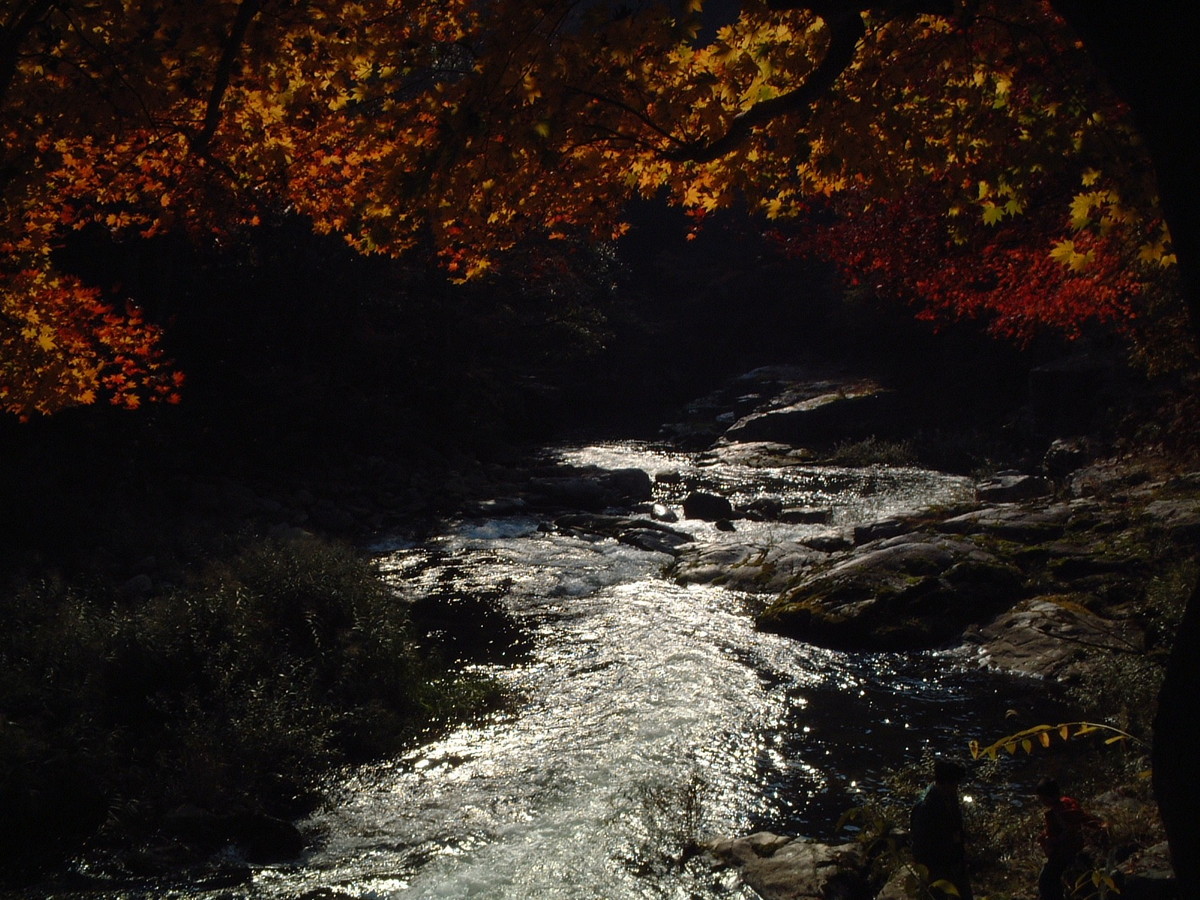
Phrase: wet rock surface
[784,868]
[913,591]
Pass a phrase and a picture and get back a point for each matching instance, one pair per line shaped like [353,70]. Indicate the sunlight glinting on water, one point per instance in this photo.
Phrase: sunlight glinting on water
[650,713]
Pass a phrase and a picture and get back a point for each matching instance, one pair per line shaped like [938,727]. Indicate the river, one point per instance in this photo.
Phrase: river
[650,713]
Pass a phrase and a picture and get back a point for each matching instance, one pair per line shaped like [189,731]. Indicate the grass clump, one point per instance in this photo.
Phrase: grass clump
[873,451]
[233,691]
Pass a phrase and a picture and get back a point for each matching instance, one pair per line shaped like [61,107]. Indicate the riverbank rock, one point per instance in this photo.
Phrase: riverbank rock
[589,488]
[1023,524]
[645,534]
[707,507]
[755,454]
[1049,637]
[913,591]
[705,419]
[1066,455]
[753,568]
[784,868]
[818,414]
[1013,487]
[1179,518]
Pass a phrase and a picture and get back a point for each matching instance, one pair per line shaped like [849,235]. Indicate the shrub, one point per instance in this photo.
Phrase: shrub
[873,451]
[233,692]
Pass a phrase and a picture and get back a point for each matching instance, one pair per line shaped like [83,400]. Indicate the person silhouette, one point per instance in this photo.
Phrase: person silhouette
[936,830]
[1063,837]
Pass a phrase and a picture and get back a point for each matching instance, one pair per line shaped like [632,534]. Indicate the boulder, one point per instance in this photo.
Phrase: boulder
[1048,637]
[783,868]
[260,837]
[590,488]
[1013,487]
[916,591]
[646,534]
[850,413]
[1025,525]
[747,567]
[138,587]
[1177,518]
[496,507]
[828,542]
[656,540]
[1113,479]
[708,507]
[264,839]
[1064,456]
[881,529]
[755,454]
[627,485]
[1147,874]
[806,515]
[762,509]
[659,512]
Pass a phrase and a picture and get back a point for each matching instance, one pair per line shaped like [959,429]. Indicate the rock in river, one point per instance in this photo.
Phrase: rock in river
[784,868]
[913,591]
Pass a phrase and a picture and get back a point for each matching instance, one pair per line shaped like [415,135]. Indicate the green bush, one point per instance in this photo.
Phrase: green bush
[233,692]
[873,451]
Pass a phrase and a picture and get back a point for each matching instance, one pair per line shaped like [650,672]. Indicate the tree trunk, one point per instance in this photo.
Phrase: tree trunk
[1146,51]
[1176,739]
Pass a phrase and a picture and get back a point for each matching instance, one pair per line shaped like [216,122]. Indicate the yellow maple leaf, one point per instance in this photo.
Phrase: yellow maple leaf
[1081,209]
[1063,251]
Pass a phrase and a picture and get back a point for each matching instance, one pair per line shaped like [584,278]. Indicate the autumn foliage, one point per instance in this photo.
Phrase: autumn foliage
[145,117]
[1015,276]
[970,161]
[1027,219]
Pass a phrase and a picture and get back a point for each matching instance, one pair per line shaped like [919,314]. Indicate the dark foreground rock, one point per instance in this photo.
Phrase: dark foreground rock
[1049,637]
[709,507]
[785,868]
[589,488]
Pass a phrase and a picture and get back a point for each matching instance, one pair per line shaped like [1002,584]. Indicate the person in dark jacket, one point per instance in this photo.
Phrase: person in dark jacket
[1063,837]
[936,829]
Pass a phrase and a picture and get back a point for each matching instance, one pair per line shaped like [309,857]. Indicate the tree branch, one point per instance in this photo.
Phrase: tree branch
[229,56]
[845,31]
[12,33]
[628,110]
[835,9]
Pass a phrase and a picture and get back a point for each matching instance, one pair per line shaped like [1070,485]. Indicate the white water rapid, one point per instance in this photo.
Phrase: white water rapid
[650,714]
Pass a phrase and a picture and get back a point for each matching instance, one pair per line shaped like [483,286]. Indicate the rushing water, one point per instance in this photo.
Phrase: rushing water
[650,714]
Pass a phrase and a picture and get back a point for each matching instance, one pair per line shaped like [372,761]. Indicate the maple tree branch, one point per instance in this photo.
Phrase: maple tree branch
[835,9]
[845,31]
[630,110]
[11,36]
[247,10]
[102,50]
